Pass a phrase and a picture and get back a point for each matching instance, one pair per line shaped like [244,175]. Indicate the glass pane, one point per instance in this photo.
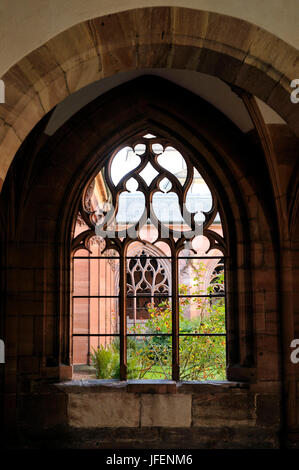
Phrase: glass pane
[149,233]
[174,162]
[199,198]
[199,247]
[94,276]
[167,209]
[164,248]
[95,316]
[152,185]
[80,316]
[105,357]
[149,136]
[122,163]
[80,276]
[148,290]
[151,316]
[202,315]
[104,316]
[102,277]
[80,350]
[131,206]
[148,173]
[202,358]
[88,350]
[201,276]
[149,357]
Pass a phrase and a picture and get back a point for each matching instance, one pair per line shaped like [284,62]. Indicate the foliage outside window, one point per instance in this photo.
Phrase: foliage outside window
[148,267]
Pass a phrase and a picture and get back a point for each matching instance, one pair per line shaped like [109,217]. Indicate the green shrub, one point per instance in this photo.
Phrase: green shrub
[106,362]
[201,357]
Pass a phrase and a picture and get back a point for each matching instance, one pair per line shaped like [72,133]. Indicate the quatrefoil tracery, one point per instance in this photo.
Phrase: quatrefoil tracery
[101,220]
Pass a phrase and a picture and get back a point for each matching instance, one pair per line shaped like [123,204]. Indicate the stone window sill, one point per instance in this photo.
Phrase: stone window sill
[147,386]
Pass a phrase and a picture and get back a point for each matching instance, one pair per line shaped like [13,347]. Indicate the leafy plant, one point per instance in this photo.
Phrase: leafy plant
[201,357]
[106,362]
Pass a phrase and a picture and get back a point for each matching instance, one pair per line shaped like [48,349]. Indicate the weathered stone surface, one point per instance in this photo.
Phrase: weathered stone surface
[92,386]
[67,46]
[196,387]
[166,410]
[103,410]
[152,386]
[227,47]
[229,409]
[77,78]
[220,37]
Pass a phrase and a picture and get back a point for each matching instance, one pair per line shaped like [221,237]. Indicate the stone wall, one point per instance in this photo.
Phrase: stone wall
[148,414]
[37,206]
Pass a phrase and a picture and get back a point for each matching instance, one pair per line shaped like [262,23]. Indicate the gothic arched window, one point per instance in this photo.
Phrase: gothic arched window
[148,251]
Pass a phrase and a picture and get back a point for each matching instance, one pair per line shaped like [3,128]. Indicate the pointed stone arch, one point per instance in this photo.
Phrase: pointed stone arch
[234,50]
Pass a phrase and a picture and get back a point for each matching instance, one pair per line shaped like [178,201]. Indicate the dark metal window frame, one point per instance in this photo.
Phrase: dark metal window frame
[176,245]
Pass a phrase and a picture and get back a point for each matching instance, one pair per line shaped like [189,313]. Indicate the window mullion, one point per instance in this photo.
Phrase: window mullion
[175,317]
[123,316]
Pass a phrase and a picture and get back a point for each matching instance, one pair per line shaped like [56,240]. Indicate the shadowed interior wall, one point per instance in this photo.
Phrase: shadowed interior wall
[38,203]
